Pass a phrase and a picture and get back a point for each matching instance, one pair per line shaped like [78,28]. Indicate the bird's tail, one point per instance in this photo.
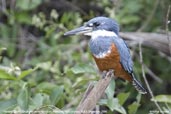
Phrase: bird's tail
[138,86]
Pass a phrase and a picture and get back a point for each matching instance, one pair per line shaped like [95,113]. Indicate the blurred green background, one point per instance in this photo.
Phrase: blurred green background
[40,69]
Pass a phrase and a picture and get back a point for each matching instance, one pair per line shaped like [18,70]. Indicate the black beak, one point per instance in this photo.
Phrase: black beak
[81,30]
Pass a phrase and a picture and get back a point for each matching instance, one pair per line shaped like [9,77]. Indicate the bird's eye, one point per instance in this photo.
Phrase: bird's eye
[96,24]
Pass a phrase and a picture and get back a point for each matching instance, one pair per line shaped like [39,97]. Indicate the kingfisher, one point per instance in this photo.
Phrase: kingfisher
[108,49]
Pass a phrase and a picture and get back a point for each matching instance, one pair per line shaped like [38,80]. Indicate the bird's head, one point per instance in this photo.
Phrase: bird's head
[102,25]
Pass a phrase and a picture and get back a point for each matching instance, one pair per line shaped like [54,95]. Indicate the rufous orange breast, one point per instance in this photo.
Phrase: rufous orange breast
[112,61]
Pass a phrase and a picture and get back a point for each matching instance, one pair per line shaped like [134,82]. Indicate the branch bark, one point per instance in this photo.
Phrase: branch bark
[92,95]
[154,40]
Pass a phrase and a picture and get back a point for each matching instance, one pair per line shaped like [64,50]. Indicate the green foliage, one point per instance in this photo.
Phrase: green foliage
[82,68]
[132,109]
[162,98]
[56,95]
[166,100]
[13,73]
[9,104]
[40,69]
[123,97]
[5,75]
[27,4]
[110,89]
[23,97]
[110,102]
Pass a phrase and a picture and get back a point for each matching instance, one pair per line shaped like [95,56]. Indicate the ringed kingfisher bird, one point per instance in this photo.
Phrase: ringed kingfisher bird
[108,49]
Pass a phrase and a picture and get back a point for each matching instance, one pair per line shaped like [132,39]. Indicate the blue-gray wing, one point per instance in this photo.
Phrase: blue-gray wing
[125,57]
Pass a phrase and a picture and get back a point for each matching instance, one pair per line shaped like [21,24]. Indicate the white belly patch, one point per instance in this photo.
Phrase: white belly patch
[103,54]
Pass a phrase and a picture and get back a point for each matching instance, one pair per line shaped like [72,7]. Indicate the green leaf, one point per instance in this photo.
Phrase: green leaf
[103,102]
[113,104]
[80,81]
[162,98]
[25,73]
[7,104]
[122,97]
[45,87]
[23,97]
[23,18]
[45,65]
[132,109]
[82,68]
[27,4]
[56,94]
[110,90]
[5,75]
[38,100]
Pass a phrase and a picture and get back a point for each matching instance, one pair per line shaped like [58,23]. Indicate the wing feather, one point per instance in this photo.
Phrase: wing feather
[125,57]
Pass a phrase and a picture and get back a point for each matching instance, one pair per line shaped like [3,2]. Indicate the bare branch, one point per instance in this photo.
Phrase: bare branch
[154,76]
[153,40]
[93,95]
[87,92]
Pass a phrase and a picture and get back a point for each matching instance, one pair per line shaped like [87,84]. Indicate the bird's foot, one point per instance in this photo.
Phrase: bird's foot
[108,73]
[104,74]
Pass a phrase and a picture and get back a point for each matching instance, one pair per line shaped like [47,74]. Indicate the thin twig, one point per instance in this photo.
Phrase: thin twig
[92,97]
[151,73]
[145,79]
[167,28]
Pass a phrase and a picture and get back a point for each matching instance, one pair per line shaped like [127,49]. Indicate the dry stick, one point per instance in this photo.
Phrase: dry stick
[145,79]
[154,76]
[150,72]
[89,103]
[167,28]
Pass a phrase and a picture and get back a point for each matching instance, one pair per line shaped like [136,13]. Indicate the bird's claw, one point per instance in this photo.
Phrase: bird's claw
[104,73]
[108,73]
